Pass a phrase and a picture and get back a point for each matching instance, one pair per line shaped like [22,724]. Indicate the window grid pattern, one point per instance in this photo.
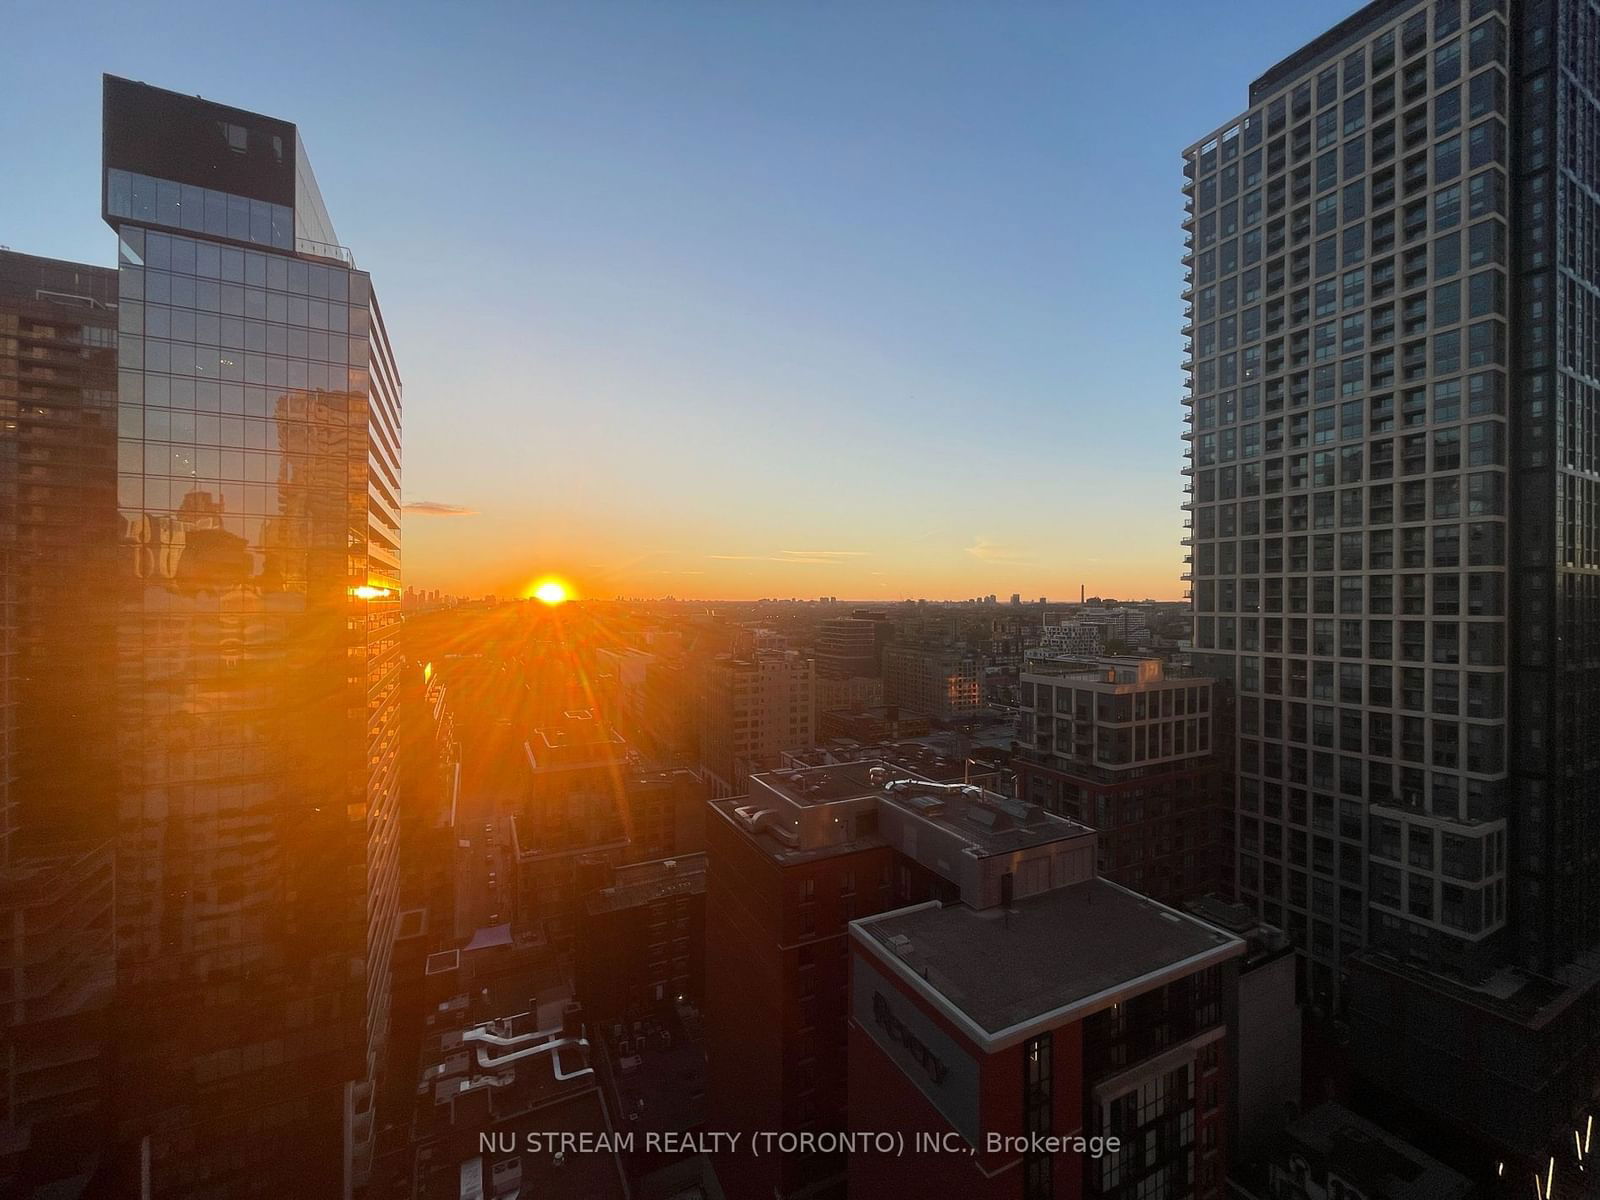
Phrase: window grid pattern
[1347,283]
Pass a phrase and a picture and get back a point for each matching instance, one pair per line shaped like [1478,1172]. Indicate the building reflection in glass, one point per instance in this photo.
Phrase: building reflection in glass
[258,491]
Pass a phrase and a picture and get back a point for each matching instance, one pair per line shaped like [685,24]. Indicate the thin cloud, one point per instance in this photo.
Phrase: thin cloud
[814,557]
[995,552]
[433,508]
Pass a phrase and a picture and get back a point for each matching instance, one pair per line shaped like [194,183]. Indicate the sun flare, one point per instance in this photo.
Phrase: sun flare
[551,592]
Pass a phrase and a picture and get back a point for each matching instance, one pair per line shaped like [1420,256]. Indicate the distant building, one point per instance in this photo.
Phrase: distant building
[668,724]
[1122,746]
[571,829]
[884,722]
[1093,630]
[625,671]
[753,709]
[586,810]
[666,813]
[852,646]
[942,681]
[853,693]
[1083,638]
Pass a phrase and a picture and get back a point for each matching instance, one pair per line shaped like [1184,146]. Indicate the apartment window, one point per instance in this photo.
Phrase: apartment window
[1036,1113]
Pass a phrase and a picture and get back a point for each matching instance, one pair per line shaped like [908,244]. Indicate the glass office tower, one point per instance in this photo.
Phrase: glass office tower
[1394,433]
[258,602]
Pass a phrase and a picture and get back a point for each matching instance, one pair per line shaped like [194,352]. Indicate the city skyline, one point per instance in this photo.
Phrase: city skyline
[773,283]
[791,702]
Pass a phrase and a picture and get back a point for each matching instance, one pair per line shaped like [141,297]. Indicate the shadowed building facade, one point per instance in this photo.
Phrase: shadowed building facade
[58,545]
[1393,395]
[257,598]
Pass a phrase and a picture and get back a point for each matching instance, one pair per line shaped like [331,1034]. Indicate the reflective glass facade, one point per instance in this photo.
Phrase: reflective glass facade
[257,597]
[200,210]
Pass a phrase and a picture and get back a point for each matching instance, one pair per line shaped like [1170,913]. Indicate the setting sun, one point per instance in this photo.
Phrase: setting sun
[551,592]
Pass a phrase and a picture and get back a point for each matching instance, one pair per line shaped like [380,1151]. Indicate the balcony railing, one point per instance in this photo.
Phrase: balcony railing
[325,250]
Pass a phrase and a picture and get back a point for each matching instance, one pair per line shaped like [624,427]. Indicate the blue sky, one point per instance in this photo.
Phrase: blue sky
[729,299]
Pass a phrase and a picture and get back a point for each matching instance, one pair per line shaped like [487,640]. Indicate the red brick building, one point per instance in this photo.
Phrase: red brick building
[789,867]
[1086,1014]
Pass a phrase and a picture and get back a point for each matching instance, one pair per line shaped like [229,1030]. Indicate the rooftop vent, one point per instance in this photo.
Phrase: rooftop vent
[928,806]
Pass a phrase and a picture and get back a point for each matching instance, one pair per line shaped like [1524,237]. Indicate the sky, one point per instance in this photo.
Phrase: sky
[729,299]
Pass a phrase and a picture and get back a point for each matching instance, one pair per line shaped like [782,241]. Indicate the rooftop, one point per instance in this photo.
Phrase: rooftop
[927,757]
[801,813]
[1378,1162]
[1119,671]
[990,823]
[644,883]
[779,850]
[578,738]
[1054,957]
[1360,24]
[657,1071]
[807,786]
[1508,993]
[1264,941]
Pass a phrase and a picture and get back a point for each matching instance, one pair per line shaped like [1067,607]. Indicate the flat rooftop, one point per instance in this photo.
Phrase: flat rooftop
[1376,1160]
[782,853]
[1058,956]
[987,822]
[645,883]
[577,730]
[806,786]
[1509,993]
[994,824]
